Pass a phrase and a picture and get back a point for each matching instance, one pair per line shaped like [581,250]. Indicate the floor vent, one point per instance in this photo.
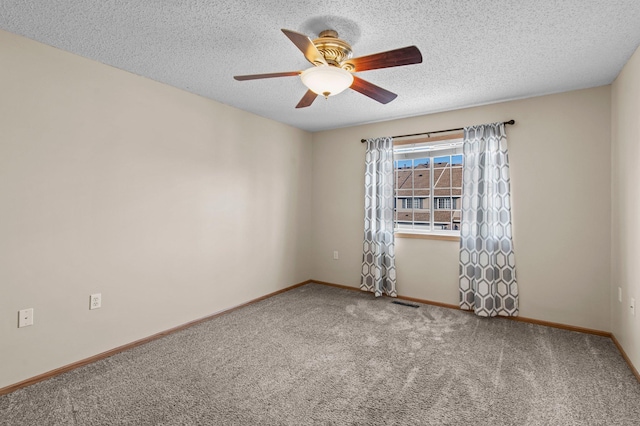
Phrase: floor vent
[411,305]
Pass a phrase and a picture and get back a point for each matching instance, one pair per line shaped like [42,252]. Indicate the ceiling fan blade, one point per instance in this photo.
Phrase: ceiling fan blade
[258,76]
[371,90]
[307,99]
[307,47]
[391,58]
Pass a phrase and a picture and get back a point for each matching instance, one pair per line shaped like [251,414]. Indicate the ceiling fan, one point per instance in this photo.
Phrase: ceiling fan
[333,67]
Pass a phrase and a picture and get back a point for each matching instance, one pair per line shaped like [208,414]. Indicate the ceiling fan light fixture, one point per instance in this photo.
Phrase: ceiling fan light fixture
[326,80]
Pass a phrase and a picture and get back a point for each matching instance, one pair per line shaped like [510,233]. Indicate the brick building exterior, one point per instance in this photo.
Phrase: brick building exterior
[414,201]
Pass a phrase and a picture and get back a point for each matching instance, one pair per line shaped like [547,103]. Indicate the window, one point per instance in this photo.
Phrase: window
[428,187]
[410,203]
[443,203]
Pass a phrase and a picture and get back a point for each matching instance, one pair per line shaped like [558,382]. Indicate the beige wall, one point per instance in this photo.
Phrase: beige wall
[625,253]
[172,206]
[561,174]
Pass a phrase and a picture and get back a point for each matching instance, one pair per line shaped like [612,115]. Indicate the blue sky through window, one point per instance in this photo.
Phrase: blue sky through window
[455,160]
[403,164]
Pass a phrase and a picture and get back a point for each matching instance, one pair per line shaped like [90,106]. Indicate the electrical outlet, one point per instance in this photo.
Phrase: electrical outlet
[633,306]
[335,255]
[620,294]
[25,317]
[95,301]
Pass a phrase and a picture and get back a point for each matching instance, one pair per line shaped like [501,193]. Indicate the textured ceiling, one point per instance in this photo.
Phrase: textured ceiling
[475,52]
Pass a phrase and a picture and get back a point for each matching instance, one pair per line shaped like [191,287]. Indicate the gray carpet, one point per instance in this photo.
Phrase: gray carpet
[318,355]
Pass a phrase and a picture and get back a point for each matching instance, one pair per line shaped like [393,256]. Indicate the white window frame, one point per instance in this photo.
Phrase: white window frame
[451,147]
[438,206]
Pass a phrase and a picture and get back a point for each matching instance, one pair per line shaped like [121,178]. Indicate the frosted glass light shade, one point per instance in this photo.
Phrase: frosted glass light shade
[326,80]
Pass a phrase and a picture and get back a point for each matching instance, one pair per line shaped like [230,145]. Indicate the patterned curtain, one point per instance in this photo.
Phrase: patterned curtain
[378,257]
[487,265]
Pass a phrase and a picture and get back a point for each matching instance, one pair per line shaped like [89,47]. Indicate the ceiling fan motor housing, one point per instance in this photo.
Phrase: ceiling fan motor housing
[334,49]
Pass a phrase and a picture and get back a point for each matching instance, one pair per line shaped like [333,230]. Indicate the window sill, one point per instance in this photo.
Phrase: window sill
[442,237]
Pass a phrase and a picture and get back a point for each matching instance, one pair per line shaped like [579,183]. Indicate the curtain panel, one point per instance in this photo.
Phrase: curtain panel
[487,283]
[378,256]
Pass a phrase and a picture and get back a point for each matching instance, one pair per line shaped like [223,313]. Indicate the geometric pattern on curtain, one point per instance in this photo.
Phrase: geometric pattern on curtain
[378,250]
[488,283]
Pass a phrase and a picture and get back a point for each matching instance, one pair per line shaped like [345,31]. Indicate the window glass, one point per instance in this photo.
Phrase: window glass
[428,189]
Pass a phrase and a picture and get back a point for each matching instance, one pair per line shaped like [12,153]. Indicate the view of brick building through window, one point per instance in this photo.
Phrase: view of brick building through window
[428,193]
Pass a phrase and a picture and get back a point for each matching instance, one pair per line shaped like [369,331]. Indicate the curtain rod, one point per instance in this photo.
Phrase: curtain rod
[438,131]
